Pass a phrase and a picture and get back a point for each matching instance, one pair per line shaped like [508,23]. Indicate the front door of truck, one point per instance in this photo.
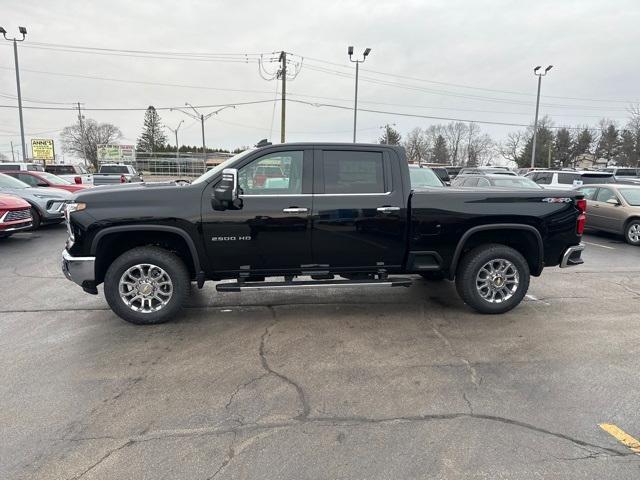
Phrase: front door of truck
[359,209]
[271,229]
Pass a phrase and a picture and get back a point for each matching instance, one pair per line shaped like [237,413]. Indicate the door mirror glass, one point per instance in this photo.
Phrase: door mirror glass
[226,191]
[613,201]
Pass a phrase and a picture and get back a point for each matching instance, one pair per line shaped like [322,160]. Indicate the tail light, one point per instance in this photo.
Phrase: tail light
[123,179]
[581,204]
[78,180]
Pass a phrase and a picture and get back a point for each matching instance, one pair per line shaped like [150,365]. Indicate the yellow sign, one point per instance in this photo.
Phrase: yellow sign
[42,149]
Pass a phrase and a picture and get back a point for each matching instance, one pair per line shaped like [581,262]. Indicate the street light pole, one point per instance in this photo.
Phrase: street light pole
[355,105]
[175,131]
[23,32]
[535,122]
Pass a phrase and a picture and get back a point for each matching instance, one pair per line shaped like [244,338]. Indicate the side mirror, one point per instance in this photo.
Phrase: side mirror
[42,184]
[225,193]
[613,201]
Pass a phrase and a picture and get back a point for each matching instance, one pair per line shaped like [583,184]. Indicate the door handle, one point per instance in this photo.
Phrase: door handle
[295,210]
[388,209]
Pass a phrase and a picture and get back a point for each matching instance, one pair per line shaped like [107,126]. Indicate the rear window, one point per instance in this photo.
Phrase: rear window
[353,172]
[591,178]
[34,167]
[114,169]
[424,177]
[626,172]
[60,169]
[6,167]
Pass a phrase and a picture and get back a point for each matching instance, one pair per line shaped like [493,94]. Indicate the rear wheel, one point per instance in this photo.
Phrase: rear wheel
[146,285]
[493,278]
[632,232]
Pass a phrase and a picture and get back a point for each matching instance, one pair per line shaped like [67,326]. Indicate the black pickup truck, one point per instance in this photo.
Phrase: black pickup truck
[314,215]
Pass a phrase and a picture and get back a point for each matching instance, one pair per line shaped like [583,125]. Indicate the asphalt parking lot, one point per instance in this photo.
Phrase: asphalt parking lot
[357,383]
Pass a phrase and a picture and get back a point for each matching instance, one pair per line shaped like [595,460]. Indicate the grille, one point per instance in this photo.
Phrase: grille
[14,215]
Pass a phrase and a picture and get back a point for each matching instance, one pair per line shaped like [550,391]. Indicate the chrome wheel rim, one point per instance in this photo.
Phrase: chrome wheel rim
[497,280]
[145,288]
[634,233]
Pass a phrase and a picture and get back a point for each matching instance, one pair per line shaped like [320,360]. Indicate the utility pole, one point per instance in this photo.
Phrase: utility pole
[549,157]
[355,104]
[175,131]
[535,123]
[283,75]
[82,136]
[23,32]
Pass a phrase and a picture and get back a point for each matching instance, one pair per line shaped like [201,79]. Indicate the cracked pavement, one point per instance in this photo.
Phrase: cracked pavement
[351,383]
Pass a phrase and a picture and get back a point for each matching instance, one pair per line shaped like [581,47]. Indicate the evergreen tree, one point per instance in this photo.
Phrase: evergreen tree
[563,147]
[153,138]
[440,153]
[391,136]
[609,143]
[544,140]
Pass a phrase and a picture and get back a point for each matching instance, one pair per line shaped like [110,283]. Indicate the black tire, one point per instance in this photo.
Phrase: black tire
[471,265]
[173,267]
[628,231]
[36,220]
[433,276]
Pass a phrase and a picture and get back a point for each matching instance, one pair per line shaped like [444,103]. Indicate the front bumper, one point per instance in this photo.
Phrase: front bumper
[572,256]
[80,270]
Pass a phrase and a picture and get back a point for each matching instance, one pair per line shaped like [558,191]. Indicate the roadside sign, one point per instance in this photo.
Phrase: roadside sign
[116,153]
[42,149]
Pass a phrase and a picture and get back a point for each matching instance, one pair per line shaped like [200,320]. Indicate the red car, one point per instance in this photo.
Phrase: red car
[45,179]
[15,215]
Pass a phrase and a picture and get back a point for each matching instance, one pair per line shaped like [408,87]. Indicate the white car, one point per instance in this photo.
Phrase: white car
[13,166]
[568,179]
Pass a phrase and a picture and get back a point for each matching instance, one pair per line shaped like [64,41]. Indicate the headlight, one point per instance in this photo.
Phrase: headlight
[73,207]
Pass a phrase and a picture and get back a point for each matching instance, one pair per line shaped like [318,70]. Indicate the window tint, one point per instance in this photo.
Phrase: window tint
[605,194]
[60,169]
[568,178]
[589,192]
[273,174]
[587,178]
[114,169]
[353,172]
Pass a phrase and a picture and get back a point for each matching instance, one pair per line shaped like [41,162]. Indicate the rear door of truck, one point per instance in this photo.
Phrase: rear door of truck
[359,208]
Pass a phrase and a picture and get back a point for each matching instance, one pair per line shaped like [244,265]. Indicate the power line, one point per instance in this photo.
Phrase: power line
[137,109]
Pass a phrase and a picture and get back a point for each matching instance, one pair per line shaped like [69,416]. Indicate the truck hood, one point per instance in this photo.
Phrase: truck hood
[133,193]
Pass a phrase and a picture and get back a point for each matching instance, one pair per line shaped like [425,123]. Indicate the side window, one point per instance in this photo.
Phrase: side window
[28,179]
[274,174]
[543,178]
[605,194]
[483,182]
[471,182]
[567,178]
[353,172]
[589,192]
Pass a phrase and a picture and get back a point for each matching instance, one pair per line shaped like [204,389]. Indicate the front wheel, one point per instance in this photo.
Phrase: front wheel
[492,278]
[632,232]
[146,285]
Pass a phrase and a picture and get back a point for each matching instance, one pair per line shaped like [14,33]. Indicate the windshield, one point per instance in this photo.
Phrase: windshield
[515,182]
[424,177]
[631,196]
[9,182]
[218,168]
[53,179]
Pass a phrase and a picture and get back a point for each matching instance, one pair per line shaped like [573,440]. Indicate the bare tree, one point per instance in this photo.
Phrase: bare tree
[455,133]
[511,148]
[84,142]
[416,145]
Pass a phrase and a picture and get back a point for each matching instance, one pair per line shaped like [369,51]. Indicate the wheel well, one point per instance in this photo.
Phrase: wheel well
[629,220]
[112,245]
[524,241]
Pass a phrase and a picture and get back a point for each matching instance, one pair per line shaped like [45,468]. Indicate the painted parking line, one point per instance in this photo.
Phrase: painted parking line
[598,245]
[622,436]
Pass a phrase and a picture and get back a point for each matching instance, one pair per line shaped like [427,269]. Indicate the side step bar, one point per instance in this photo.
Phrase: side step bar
[239,286]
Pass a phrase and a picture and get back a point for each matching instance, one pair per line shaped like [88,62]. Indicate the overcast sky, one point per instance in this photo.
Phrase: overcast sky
[490,46]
